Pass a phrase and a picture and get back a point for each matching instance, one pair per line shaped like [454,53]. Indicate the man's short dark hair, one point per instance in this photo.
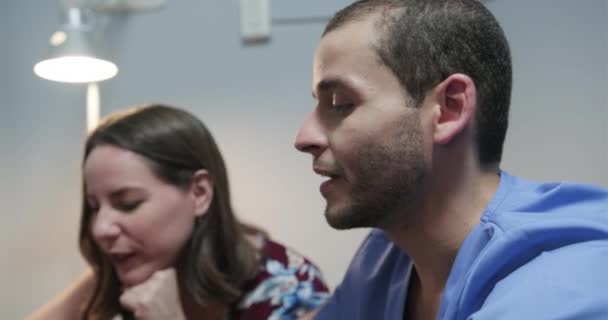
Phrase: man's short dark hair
[425,41]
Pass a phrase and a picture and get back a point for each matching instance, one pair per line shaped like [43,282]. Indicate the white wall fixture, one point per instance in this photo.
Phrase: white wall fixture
[255,20]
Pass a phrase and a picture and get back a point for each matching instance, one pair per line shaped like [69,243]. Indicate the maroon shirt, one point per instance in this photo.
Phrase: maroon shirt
[287,286]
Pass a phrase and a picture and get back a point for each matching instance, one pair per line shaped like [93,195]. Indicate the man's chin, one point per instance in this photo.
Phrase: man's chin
[337,218]
[347,218]
[356,216]
[338,224]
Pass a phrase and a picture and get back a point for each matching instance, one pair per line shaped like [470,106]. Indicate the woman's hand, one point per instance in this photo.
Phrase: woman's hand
[155,298]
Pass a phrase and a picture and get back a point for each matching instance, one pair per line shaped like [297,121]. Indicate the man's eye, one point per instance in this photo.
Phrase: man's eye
[341,103]
[342,109]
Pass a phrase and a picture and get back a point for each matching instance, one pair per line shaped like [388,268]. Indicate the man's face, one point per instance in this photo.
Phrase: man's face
[365,134]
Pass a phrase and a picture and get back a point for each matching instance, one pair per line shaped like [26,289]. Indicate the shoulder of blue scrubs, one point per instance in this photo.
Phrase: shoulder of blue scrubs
[565,283]
[374,284]
[532,236]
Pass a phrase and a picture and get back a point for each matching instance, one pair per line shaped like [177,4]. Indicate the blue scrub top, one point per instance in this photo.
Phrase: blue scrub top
[540,251]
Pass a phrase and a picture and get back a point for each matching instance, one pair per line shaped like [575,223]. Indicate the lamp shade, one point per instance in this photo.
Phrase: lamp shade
[72,58]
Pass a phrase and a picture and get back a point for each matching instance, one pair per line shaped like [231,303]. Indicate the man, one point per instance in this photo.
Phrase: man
[412,108]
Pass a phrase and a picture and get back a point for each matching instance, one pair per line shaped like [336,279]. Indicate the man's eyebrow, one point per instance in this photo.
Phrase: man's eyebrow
[327,85]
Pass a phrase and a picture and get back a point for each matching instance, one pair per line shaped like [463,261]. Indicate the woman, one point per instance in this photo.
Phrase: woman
[159,233]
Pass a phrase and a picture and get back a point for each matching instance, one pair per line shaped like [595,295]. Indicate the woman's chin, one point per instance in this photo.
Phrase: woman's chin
[133,278]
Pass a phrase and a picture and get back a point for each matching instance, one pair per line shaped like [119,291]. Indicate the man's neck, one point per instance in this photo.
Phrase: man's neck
[419,305]
[433,234]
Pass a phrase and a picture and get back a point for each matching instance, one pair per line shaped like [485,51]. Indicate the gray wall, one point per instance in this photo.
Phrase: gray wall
[3,54]
[253,98]
[4,154]
[43,129]
[560,106]
[4,105]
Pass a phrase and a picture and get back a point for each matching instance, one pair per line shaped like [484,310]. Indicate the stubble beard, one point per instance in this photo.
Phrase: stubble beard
[390,180]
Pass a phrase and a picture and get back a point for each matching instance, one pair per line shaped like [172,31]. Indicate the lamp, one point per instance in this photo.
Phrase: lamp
[72,58]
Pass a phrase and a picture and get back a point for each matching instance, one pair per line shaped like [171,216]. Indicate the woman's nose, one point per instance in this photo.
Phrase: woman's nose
[104,225]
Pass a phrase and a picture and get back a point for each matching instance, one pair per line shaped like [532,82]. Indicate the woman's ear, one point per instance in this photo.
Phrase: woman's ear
[201,191]
[457,98]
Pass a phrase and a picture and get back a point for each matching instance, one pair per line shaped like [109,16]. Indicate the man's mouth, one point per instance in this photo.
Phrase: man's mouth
[325,173]
[330,179]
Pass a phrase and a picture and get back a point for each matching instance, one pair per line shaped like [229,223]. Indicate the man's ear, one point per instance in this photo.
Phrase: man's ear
[457,99]
[201,190]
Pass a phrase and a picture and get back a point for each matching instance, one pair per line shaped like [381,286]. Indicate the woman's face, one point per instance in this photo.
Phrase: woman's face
[139,221]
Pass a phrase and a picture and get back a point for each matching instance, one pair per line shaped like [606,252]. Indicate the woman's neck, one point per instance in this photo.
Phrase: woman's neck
[195,311]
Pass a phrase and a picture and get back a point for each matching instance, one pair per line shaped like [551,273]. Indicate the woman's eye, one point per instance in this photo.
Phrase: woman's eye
[129,206]
[93,209]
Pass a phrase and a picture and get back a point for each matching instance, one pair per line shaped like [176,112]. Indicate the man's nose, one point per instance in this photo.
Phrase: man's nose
[311,137]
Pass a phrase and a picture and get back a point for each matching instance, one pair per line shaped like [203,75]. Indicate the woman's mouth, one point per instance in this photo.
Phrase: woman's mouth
[123,261]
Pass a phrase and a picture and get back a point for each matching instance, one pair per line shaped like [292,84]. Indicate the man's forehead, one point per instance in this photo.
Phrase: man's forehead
[345,54]
[334,72]
[353,32]
[343,68]
[355,40]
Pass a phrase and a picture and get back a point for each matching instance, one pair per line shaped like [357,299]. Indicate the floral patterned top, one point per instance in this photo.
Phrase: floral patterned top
[287,287]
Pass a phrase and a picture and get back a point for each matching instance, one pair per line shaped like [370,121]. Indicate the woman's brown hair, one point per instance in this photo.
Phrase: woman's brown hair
[218,259]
